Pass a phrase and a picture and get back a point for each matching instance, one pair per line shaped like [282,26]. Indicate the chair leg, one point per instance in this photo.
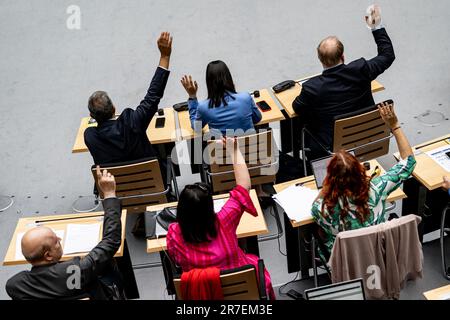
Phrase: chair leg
[303,152]
[445,270]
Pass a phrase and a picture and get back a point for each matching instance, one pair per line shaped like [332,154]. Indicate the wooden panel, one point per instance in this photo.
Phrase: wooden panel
[427,171]
[156,136]
[227,182]
[274,114]
[137,187]
[59,222]
[248,225]
[286,98]
[442,293]
[310,182]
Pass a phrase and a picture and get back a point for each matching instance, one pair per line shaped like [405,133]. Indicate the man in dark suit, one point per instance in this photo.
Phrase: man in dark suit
[125,138]
[79,277]
[341,88]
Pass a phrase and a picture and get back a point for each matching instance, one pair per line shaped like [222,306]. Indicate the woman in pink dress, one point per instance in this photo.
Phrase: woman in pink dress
[201,238]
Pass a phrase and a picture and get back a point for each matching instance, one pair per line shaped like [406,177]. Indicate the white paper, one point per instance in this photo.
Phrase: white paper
[439,155]
[218,204]
[445,296]
[296,201]
[81,237]
[19,255]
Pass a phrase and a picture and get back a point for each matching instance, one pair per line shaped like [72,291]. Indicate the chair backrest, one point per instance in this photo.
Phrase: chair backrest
[237,284]
[138,184]
[364,131]
[258,152]
[384,254]
[347,290]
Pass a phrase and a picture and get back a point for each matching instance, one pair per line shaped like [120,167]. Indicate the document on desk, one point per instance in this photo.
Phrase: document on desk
[218,204]
[296,201]
[19,255]
[81,237]
[442,156]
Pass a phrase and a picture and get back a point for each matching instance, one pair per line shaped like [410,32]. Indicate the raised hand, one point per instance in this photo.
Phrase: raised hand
[388,114]
[190,86]
[165,44]
[373,16]
[106,183]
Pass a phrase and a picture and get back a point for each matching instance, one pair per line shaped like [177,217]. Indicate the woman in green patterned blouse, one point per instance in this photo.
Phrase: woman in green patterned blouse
[349,199]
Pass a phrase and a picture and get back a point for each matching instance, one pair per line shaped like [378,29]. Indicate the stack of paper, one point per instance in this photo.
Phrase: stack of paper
[442,156]
[296,201]
[81,237]
[218,204]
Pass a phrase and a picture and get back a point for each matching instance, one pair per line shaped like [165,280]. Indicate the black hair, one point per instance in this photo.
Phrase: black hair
[219,83]
[100,106]
[195,214]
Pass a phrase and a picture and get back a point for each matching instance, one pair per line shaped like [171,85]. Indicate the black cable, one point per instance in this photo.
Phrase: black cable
[278,238]
[284,285]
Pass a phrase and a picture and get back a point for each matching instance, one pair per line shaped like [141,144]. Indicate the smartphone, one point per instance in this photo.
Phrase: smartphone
[160,122]
[263,105]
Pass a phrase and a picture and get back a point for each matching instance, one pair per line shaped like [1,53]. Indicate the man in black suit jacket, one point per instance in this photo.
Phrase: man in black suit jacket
[79,277]
[341,88]
[125,139]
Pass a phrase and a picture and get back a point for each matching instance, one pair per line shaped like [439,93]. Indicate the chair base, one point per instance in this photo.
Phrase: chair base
[86,204]
[5,202]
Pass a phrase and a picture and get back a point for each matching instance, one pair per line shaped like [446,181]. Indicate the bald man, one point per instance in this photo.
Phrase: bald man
[90,276]
[341,88]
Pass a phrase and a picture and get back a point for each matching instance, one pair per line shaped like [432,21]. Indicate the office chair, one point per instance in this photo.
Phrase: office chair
[241,283]
[139,183]
[258,150]
[445,269]
[363,132]
[348,290]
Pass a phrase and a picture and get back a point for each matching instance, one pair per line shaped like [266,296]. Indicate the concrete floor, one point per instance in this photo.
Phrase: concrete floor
[48,73]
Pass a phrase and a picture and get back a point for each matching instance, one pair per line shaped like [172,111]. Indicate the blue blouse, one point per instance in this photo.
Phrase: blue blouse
[239,113]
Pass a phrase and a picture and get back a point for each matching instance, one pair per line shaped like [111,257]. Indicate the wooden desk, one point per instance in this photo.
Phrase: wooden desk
[273,115]
[287,97]
[248,226]
[442,293]
[25,224]
[310,182]
[427,171]
[163,135]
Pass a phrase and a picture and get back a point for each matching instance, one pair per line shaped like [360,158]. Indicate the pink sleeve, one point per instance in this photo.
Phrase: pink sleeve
[231,212]
[171,243]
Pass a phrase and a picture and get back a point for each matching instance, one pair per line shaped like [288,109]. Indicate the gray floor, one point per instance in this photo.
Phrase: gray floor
[48,72]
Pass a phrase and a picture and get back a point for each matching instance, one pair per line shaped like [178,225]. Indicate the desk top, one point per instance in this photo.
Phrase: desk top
[288,96]
[273,115]
[156,136]
[427,171]
[442,293]
[310,182]
[248,226]
[55,222]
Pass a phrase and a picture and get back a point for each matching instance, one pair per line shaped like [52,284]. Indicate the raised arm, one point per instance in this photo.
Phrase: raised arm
[99,257]
[191,88]
[390,118]
[386,56]
[141,117]
[239,166]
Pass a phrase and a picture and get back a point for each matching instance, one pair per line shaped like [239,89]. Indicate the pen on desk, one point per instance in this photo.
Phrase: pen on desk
[71,218]
[375,172]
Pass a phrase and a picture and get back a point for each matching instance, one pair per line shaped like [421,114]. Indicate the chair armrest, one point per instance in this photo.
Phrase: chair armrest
[316,141]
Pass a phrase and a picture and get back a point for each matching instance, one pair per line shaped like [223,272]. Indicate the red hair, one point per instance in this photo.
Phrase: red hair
[346,179]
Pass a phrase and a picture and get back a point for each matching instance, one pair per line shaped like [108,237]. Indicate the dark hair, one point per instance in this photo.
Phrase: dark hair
[100,106]
[330,55]
[219,83]
[195,214]
[346,179]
